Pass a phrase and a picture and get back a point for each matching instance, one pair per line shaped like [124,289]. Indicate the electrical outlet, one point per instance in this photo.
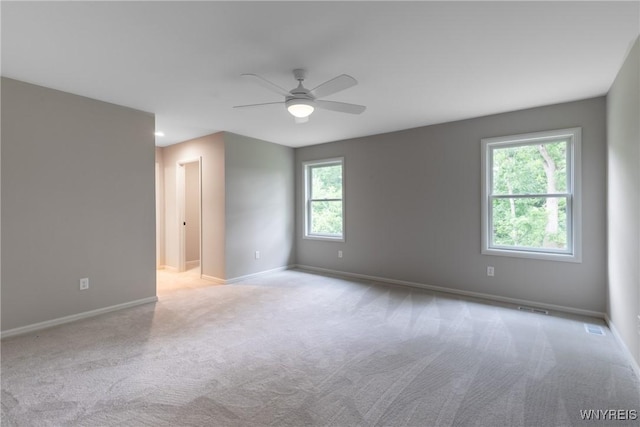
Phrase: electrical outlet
[339,254]
[490,271]
[257,254]
[84,283]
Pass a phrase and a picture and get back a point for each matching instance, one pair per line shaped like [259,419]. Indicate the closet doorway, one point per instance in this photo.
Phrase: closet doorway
[189,197]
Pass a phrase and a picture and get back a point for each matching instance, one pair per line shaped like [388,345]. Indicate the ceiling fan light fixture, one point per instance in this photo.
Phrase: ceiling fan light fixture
[302,102]
[300,107]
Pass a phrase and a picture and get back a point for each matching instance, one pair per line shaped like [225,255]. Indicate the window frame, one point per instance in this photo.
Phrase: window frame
[573,194]
[307,166]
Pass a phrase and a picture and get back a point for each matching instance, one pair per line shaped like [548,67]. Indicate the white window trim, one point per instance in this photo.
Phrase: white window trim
[307,191]
[575,194]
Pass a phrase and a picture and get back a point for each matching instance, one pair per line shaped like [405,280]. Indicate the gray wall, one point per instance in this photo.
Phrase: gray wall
[211,149]
[412,203]
[623,136]
[77,201]
[259,205]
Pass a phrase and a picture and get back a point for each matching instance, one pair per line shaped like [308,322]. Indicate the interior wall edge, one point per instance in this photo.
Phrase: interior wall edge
[622,344]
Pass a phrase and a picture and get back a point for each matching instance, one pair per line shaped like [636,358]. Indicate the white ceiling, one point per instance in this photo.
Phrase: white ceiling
[417,63]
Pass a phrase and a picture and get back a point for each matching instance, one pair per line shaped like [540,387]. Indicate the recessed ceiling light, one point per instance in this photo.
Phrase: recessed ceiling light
[159,133]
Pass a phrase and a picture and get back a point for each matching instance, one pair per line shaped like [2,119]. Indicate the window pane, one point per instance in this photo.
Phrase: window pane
[530,169]
[326,182]
[326,218]
[531,222]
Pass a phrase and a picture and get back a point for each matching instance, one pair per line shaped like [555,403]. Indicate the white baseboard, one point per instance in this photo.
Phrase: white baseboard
[217,280]
[260,273]
[490,297]
[188,265]
[72,318]
[220,281]
[625,349]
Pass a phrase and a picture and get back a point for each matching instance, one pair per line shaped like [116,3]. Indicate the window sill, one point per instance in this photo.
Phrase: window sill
[325,238]
[534,255]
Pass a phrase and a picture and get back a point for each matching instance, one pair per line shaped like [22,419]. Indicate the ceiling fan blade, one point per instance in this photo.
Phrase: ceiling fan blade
[258,105]
[299,120]
[334,85]
[267,84]
[342,107]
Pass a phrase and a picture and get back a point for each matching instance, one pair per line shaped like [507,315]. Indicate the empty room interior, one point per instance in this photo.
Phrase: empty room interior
[320,213]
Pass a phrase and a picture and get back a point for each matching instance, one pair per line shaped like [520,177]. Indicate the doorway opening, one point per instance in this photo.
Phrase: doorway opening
[189,197]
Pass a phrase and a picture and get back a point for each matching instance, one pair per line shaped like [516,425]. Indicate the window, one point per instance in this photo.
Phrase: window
[531,195]
[324,208]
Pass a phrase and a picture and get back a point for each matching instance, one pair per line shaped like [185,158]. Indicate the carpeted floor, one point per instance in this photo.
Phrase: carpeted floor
[298,349]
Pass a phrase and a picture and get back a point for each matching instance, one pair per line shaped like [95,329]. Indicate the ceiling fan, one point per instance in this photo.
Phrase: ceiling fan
[301,102]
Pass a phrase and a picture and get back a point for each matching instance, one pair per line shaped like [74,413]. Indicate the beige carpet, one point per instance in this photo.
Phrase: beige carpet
[297,349]
[169,281]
